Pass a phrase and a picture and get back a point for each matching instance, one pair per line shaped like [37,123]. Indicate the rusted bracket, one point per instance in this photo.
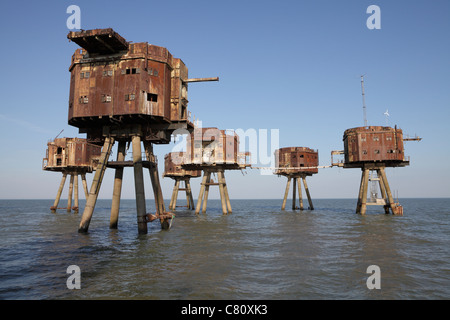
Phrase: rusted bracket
[152,217]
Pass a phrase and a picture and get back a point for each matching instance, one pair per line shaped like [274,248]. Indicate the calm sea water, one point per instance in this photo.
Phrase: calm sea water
[257,252]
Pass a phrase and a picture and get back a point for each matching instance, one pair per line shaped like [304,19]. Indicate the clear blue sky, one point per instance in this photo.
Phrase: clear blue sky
[288,65]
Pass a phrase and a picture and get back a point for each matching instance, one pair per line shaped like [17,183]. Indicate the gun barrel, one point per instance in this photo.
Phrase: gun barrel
[202,79]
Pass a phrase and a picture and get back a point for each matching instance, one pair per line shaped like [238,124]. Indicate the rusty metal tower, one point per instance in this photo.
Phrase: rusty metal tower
[173,169]
[296,163]
[130,93]
[214,151]
[374,148]
[73,157]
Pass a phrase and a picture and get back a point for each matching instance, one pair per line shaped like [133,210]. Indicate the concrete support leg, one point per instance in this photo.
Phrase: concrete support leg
[205,198]
[186,190]
[69,197]
[300,198]
[227,196]
[191,198]
[311,207]
[294,190]
[176,189]
[75,194]
[283,206]
[117,191]
[156,185]
[95,187]
[172,199]
[383,192]
[222,193]
[364,192]
[360,193]
[388,191]
[85,188]
[139,184]
[58,194]
[202,190]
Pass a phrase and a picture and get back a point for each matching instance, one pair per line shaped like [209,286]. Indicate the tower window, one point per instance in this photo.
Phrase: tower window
[152,97]
[83,99]
[129,97]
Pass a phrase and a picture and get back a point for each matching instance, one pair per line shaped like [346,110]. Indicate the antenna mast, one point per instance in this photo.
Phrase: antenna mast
[59,134]
[364,101]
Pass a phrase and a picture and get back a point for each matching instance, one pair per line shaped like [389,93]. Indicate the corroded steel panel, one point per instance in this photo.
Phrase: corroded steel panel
[101,41]
[134,83]
[373,144]
[292,160]
[71,154]
[173,166]
[213,146]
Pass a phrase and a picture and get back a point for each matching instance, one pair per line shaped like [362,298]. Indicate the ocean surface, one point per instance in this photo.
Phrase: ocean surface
[257,252]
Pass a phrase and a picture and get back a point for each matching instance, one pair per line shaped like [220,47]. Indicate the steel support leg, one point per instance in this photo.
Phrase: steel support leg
[288,184]
[139,184]
[95,187]
[300,198]
[311,207]
[58,195]
[117,191]
[69,197]
[202,190]
[205,197]
[75,194]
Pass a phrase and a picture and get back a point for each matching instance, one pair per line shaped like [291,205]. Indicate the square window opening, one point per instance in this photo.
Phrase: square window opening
[152,97]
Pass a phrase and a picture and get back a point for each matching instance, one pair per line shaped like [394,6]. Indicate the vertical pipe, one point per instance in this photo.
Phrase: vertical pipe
[200,195]
[311,207]
[83,180]
[294,190]
[222,193]
[117,191]
[205,199]
[58,194]
[69,197]
[75,186]
[227,196]
[300,198]
[139,184]
[96,183]
[288,184]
